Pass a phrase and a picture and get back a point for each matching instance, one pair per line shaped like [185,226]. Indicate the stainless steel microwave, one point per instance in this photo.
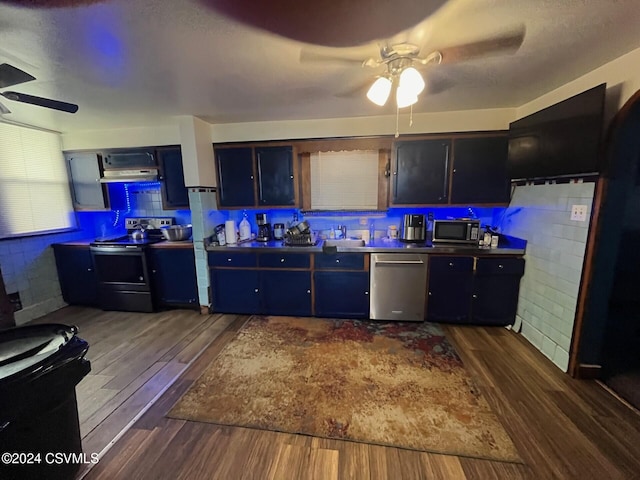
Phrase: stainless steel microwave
[456,231]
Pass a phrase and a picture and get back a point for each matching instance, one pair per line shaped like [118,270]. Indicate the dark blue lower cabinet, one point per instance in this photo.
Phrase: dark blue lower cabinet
[235,291]
[495,291]
[487,295]
[450,289]
[173,274]
[341,294]
[286,292]
[77,275]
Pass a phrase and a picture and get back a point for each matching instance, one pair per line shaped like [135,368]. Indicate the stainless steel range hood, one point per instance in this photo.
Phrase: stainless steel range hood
[130,175]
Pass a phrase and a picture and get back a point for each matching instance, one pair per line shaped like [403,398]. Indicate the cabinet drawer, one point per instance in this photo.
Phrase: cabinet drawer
[500,266]
[339,261]
[223,259]
[451,264]
[284,260]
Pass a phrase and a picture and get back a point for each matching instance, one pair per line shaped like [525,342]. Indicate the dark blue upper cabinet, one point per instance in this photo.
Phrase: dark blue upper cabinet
[235,176]
[175,194]
[275,176]
[421,172]
[480,170]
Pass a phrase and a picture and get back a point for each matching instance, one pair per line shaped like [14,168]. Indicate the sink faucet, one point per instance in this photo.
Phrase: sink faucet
[343,229]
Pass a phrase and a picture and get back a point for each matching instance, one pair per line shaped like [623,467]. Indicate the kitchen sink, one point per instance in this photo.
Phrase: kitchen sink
[344,243]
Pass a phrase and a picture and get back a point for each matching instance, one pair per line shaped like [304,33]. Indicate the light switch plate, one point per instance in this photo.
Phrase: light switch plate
[579,213]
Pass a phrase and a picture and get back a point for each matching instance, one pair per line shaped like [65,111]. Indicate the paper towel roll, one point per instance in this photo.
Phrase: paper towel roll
[230,231]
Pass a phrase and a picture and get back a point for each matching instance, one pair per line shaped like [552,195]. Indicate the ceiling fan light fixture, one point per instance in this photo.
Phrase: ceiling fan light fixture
[412,81]
[405,97]
[379,92]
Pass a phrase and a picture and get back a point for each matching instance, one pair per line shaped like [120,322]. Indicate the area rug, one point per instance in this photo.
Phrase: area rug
[394,384]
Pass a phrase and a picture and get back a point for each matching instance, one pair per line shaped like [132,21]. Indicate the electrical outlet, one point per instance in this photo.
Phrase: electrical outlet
[579,213]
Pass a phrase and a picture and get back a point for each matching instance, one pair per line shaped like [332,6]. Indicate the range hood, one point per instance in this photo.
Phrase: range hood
[130,175]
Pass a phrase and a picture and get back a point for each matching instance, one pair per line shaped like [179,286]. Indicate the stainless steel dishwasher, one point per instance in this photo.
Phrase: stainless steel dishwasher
[398,286]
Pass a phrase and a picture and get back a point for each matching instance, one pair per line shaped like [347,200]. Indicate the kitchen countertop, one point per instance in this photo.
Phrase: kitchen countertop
[162,244]
[507,246]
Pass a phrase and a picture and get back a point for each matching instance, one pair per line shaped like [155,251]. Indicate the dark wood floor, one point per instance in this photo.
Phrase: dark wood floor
[563,428]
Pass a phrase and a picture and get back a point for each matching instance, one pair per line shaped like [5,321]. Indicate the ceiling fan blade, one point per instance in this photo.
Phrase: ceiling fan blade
[41,102]
[359,90]
[507,43]
[10,75]
[308,56]
[4,110]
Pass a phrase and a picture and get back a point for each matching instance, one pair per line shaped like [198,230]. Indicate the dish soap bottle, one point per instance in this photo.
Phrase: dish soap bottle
[245,228]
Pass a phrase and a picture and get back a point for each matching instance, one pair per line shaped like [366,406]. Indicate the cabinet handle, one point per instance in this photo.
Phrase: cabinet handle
[228,259]
[366,293]
[451,264]
[446,169]
[454,170]
[282,260]
[255,290]
[474,295]
[429,293]
[153,271]
[291,177]
[308,291]
[89,269]
[251,177]
[337,261]
[500,266]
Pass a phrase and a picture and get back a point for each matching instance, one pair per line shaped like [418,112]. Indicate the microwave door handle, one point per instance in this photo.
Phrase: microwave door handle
[446,172]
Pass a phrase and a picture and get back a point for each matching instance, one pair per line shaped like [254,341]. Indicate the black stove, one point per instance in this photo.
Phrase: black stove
[122,267]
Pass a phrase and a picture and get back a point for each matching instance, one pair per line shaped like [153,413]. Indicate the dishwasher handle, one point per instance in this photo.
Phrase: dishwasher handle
[399,262]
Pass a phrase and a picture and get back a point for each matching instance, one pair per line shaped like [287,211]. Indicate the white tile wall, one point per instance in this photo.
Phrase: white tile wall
[204,217]
[29,268]
[541,214]
[146,201]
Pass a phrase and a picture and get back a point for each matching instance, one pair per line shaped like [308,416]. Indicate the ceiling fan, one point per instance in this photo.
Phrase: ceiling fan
[10,75]
[402,61]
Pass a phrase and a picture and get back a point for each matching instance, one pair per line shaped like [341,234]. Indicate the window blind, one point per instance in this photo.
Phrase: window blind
[344,180]
[34,185]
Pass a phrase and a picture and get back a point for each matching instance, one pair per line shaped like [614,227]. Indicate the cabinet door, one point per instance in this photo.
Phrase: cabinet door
[76,273]
[421,172]
[235,177]
[495,290]
[235,291]
[286,292]
[174,193]
[480,171]
[450,289]
[86,190]
[341,294]
[275,176]
[173,273]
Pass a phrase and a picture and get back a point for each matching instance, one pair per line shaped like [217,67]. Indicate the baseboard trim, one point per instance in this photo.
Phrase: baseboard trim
[589,372]
[205,310]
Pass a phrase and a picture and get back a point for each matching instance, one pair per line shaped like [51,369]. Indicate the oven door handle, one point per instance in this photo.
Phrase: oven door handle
[116,249]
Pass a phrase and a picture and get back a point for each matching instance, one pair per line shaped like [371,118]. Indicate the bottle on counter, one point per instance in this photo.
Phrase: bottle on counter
[245,228]
[372,232]
[392,232]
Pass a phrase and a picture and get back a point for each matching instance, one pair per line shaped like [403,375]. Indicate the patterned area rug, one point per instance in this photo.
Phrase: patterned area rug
[394,384]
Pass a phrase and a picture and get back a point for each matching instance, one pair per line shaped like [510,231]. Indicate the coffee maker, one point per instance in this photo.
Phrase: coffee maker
[264,228]
[413,228]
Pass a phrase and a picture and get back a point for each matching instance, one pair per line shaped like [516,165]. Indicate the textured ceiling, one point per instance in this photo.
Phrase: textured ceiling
[141,62]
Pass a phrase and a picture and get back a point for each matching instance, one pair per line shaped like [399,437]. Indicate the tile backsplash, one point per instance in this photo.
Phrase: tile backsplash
[541,214]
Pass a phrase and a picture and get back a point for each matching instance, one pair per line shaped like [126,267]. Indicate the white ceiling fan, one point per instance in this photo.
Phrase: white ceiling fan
[401,62]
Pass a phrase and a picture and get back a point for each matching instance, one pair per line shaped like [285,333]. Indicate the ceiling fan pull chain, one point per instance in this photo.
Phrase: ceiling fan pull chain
[397,117]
